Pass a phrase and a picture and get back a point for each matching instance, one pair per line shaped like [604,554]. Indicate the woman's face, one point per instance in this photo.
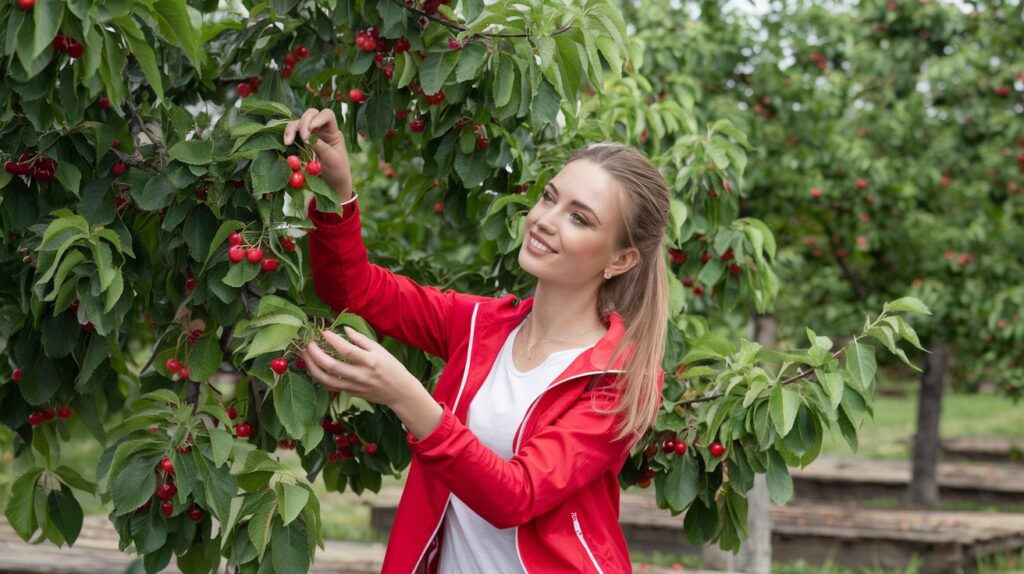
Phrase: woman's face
[578,216]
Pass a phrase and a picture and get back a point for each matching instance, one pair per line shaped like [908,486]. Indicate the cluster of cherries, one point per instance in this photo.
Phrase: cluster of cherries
[40,169]
[48,414]
[166,490]
[297,180]
[290,59]
[236,253]
[177,367]
[430,6]
[242,429]
[344,441]
[249,87]
[68,45]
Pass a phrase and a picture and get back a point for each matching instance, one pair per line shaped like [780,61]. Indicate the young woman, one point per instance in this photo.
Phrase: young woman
[516,455]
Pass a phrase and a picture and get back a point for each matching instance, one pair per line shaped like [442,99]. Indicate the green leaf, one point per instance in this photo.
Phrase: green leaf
[272,338]
[436,68]
[291,500]
[241,273]
[406,69]
[47,16]
[266,108]
[66,513]
[206,357]
[134,485]
[780,483]
[472,58]
[192,152]
[908,304]
[289,547]
[260,526]
[269,173]
[19,511]
[292,397]
[221,443]
[146,58]
[833,384]
[681,483]
[69,176]
[783,404]
[221,236]
[177,25]
[505,74]
[860,364]
[156,194]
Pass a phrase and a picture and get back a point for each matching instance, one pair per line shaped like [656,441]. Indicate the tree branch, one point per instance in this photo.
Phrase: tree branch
[460,28]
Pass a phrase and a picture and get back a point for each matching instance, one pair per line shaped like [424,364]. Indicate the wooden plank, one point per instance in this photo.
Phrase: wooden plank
[984,449]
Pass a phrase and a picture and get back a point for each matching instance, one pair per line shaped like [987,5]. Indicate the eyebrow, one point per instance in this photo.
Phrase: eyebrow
[576,203]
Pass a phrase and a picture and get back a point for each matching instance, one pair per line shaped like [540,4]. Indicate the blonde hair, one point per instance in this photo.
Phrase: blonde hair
[639,295]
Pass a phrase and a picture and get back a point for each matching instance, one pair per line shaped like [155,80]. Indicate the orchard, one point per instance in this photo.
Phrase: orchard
[154,233]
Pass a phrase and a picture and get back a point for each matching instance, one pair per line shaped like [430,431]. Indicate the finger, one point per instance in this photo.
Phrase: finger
[360,340]
[322,377]
[289,131]
[324,118]
[304,123]
[330,365]
[348,350]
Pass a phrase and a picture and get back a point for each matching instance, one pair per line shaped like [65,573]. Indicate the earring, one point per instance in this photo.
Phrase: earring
[607,275]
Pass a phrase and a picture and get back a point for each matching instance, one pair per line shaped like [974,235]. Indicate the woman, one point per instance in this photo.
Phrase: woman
[561,384]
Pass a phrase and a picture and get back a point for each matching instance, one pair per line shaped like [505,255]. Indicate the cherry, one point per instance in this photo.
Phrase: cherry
[167,509]
[417,125]
[64,413]
[389,72]
[35,419]
[184,449]
[74,306]
[48,414]
[118,168]
[716,449]
[401,114]
[678,256]
[294,162]
[438,207]
[668,446]
[680,447]
[290,59]
[236,253]
[190,284]
[314,168]
[1002,91]
[279,365]
[16,374]
[184,373]
[687,282]
[434,99]
[286,72]
[698,290]
[402,45]
[705,257]
[194,514]
[300,363]
[243,430]
[26,5]
[454,44]
[482,143]
[297,180]
[861,183]
[735,269]
[235,238]
[74,49]
[270,264]
[301,52]
[643,482]
[815,192]
[254,254]
[333,456]
[144,507]
[356,95]
[232,413]
[167,465]
[166,491]
[287,242]
[104,102]
[370,449]
[728,256]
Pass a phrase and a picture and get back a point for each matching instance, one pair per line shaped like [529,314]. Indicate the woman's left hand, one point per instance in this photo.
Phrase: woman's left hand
[371,373]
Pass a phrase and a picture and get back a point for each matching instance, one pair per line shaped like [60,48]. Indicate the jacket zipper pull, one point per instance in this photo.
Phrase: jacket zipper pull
[576,524]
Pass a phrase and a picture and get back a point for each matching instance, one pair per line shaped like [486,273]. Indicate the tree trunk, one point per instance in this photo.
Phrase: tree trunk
[924,489]
[755,556]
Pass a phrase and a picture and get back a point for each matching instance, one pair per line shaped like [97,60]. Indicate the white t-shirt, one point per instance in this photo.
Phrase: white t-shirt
[471,544]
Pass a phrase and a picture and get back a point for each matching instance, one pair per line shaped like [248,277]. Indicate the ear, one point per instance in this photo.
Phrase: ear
[623,260]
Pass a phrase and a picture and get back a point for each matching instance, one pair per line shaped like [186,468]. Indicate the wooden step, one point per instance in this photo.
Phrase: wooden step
[96,552]
[984,449]
[841,479]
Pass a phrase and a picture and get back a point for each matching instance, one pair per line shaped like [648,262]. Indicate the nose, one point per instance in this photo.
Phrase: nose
[545,221]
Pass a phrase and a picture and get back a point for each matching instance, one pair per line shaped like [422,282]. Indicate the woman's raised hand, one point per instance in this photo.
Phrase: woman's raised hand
[329,147]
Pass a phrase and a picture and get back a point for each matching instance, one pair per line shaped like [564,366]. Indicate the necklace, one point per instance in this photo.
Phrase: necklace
[529,348]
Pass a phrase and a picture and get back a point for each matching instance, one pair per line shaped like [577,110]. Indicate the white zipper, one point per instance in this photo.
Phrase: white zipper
[529,411]
[583,541]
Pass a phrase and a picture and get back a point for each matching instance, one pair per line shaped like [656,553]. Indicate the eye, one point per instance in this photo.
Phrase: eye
[579,219]
[546,196]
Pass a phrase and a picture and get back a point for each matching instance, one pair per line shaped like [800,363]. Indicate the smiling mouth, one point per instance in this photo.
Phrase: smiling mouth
[540,246]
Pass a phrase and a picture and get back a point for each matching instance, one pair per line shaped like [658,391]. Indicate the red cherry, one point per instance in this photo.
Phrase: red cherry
[26,5]
[35,419]
[417,125]
[236,253]
[64,413]
[235,238]
[144,507]
[290,59]
[166,491]
[333,456]
[698,290]
[279,365]
[668,446]
[401,114]
[190,284]
[438,207]
[705,257]
[287,243]
[74,49]
[254,254]
[687,282]
[295,162]
[680,447]
[815,192]
[184,449]
[314,168]
[104,102]
[678,256]
[244,90]
[269,264]
[16,374]
[300,363]
[167,465]
[370,449]
[861,183]
[728,256]
[184,373]
[389,72]
[356,95]
[118,168]
[482,143]
[297,180]
[194,514]
[74,306]
[167,509]
[243,430]
[301,52]
[644,482]
[716,449]
[286,72]
[402,45]
[735,269]
[48,414]
[232,413]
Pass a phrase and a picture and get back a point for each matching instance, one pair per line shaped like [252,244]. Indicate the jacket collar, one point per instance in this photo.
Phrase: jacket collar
[513,311]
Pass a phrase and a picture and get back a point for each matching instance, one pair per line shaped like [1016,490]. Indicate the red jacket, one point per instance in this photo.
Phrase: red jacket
[560,489]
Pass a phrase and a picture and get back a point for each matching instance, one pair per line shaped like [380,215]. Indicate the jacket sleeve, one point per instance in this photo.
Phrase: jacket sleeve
[549,467]
[394,305]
